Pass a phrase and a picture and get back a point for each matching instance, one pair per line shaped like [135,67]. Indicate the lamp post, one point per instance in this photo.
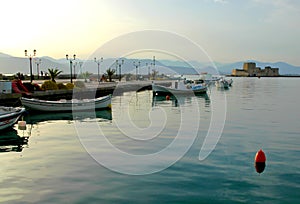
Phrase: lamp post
[149,70]
[71,61]
[74,68]
[136,69]
[38,62]
[117,64]
[154,67]
[80,65]
[98,63]
[30,62]
[148,66]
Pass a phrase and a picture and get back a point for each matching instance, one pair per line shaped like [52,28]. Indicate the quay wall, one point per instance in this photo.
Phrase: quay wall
[91,91]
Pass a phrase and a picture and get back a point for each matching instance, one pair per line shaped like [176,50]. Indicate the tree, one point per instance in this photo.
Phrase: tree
[110,72]
[20,76]
[86,75]
[154,74]
[54,73]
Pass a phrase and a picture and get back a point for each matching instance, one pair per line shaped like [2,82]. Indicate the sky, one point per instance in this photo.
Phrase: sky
[226,30]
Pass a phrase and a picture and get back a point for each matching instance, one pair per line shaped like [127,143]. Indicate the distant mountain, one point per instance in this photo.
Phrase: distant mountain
[4,55]
[12,65]
[284,68]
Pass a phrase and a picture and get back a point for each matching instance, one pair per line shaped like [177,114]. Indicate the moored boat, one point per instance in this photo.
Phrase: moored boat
[222,83]
[67,105]
[229,81]
[179,88]
[9,116]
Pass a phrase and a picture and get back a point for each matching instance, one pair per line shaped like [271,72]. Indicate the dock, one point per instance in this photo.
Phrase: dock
[92,90]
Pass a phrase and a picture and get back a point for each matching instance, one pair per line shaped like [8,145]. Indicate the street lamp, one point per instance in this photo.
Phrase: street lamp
[117,64]
[74,67]
[136,69]
[154,67]
[30,63]
[38,62]
[80,65]
[71,61]
[98,63]
[147,65]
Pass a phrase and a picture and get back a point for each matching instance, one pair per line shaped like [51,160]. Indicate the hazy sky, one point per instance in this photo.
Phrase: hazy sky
[228,30]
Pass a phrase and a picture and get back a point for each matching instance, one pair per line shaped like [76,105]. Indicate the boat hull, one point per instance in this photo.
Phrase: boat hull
[222,84]
[10,118]
[162,90]
[67,105]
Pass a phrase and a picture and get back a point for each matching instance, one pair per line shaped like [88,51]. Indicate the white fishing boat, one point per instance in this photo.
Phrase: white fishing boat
[9,116]
[229,81]
[222,83]
[179,88]
[67,105]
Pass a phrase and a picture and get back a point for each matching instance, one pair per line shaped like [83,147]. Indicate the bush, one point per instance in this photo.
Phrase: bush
[79,84]
[70,86]
[37,87]
[61,86]
[49,85]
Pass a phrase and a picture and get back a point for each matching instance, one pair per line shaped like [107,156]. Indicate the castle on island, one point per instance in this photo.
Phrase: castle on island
[250,70]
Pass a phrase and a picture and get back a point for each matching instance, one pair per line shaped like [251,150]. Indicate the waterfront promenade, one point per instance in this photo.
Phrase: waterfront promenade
[92,89]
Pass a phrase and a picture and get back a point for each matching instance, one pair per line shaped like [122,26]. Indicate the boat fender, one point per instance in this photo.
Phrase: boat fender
[22,125]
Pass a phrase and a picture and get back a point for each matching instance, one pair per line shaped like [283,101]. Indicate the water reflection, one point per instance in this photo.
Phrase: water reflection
[179,100]
[34,118]
[11,141]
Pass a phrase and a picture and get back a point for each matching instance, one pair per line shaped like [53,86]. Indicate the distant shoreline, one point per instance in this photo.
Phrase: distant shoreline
[281,76]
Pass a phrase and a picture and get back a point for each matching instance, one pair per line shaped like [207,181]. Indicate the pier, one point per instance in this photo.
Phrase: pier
[92,90]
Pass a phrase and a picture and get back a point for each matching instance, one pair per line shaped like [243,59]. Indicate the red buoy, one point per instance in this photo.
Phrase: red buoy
[260,156]
[260,161]
[167,97]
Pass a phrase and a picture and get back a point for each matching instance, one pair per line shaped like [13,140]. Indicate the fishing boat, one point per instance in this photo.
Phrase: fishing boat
[9,116]
[64,105]
[222,83]
[229,81]
[179,88]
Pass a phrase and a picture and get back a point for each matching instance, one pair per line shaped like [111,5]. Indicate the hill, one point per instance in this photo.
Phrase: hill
[12,65]
[284,68]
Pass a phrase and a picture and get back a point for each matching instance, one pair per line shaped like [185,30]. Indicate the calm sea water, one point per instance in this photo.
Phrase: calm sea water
[54,167]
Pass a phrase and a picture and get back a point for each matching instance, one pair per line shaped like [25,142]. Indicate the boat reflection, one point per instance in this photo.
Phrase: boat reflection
[178,100]
[34,117]
[11,141]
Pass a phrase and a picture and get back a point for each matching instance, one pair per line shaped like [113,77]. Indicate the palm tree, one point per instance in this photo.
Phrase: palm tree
[54,73]
[154,74]
[86,75]
[110,72]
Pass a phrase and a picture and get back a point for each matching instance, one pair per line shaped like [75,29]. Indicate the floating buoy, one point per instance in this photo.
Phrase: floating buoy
[167,97]
[260,161]
[22,125]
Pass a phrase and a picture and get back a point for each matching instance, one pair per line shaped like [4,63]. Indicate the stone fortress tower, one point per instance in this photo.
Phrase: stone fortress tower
[250,70]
